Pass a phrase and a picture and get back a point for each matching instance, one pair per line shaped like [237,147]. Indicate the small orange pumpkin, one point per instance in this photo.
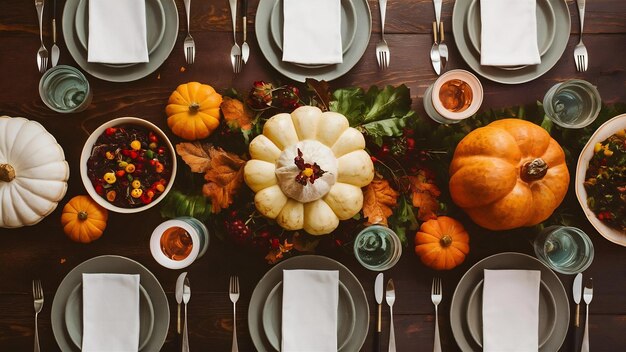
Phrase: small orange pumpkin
[442,243]
[193,111]
[83,219]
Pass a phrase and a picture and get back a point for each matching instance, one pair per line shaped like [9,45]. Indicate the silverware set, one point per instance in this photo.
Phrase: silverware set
[390,298]
[42,53]
[38,303]
[587,296]
[189,45]
[235,52]
[439,50]
[382,49]
[233,294]
[580,51]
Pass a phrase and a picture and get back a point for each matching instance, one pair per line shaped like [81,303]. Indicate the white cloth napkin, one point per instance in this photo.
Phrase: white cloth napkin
[312,31]
[310,310]
[117,31]
[110,313]
[508,34]
[511,310]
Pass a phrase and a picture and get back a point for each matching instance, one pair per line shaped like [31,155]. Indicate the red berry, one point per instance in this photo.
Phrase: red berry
[153,138]
[161,150]
[133,154]
[373,158]
[99,189]
[110,131]
[410,143]
[125,152]
[275,243]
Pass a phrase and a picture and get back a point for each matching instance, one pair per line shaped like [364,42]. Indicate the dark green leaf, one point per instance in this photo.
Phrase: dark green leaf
[384,128]
[349,102]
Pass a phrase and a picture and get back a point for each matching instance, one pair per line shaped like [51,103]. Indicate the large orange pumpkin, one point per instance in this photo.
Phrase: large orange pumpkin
[193,110]
[442,243]
[83,219]
[508,174]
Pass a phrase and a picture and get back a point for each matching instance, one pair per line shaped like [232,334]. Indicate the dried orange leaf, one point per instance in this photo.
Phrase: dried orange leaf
[236,114]
[424,195]
[378,200]
[196,155]
[224,177]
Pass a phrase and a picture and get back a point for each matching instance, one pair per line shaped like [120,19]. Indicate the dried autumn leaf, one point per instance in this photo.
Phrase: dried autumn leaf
[236,114]
[378,200]
[424,195]
[195,154]
[224,177]
[322,92]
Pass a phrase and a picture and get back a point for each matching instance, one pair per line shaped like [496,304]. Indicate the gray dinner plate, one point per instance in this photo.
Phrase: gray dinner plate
[74,316]
[362,27]
[463,292]
[116,265]
[348,28]
[508,76]
[547,314]
[311,262]
[155,26]
[117,73]
[273,313]
[546,25]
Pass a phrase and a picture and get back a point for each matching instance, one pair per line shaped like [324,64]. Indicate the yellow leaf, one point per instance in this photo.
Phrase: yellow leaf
[378,200]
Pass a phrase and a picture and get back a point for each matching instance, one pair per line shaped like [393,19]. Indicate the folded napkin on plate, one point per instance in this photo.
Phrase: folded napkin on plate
[310,310]
[312,31]
[511,310]
[117,31]
[110,312]
[508,34]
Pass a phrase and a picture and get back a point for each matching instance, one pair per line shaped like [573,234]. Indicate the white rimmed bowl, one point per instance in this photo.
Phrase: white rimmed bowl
[602,133]
[86,153]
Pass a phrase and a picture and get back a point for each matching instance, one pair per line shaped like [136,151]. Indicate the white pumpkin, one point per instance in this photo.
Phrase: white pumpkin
[33,172]
[325,187]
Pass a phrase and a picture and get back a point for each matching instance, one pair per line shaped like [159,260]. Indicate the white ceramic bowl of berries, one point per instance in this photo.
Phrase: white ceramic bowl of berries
[128,165]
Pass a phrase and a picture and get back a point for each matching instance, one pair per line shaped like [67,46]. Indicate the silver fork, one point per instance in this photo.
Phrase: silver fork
[42,54]
[38,299]
[233,293]
[189,45]
[382,49]
[436,297]
[587,296]
[580,51]
[235,51]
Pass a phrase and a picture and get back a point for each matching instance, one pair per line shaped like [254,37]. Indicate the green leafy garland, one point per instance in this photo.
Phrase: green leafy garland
[401,144]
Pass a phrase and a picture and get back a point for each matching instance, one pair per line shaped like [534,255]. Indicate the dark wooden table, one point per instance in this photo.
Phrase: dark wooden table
[43,251]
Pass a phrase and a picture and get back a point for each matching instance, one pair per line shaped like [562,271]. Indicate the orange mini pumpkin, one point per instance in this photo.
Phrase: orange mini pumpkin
[442,243]
[83,219]
[508,174]
[193,110]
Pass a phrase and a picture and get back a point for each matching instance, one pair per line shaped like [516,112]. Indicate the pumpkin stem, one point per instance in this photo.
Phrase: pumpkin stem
[194,108]
[82,215]
[445,241]
[7,173]
[534,170]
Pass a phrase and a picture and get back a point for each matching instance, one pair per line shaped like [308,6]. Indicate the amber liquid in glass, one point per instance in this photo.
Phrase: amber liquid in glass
[455,95]
[176,243]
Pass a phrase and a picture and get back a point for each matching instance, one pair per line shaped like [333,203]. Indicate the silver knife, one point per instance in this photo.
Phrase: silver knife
[577,293]
[245,48]
[435,57]
[186,298]
[378,293]
[179,298]
[54,51]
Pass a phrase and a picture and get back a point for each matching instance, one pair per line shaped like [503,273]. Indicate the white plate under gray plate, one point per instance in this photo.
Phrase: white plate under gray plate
[272,316]
[312,262]
[460,299]
[348,29]
[155,26]
[601,134]
[362,27]
[546,26]
[528,73]
[115,73]
[116,265]
[547,314]
[74,316]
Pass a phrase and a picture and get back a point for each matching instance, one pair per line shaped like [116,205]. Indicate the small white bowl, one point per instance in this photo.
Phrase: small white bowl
[602,133]
[86,153]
